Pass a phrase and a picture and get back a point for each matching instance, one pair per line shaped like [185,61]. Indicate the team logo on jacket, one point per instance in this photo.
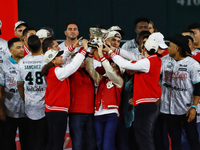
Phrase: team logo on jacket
[12,70]
[109,85]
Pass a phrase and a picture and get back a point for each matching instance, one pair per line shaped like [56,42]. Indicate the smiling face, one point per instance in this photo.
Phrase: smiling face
[114,41]
[57,61]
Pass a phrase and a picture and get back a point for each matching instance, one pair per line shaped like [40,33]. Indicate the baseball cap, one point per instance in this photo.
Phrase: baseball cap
[50,30]
[113,34]
[17,24]
[51,54]
[0,26]
[116,28]
[151,44]
[159,38]
[181,41]
[42,33]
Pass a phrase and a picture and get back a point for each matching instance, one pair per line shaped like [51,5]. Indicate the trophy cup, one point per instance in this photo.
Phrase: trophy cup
[97,35]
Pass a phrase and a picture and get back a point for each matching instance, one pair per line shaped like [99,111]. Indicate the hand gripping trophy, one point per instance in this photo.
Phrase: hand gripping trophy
[98,35]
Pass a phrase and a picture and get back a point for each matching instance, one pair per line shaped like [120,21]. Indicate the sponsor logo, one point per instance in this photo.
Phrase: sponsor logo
[12,70]
[182,65]
[12,81]
[35,89]
[174,88]
[182,69]
[50,56]
[12,91]
[174,75]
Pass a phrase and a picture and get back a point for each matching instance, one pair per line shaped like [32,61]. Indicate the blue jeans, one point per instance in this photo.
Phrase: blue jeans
[175,124]
[105,127]
[145,117]
[82,127]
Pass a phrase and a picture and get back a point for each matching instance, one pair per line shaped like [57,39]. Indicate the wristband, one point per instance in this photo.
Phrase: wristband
[195,107]
[90,55]
[110,52]
[70,48]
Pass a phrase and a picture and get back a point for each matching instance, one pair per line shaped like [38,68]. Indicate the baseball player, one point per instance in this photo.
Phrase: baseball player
[4,51]
[180,92]
[14,114]
[32,86]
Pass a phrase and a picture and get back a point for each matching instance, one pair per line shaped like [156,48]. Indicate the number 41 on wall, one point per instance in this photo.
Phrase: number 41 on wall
[188,2]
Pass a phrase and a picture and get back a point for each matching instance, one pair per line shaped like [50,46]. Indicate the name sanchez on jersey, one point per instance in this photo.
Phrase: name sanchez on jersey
[33,66]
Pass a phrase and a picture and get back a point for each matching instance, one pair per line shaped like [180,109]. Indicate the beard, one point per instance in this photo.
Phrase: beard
[72,39]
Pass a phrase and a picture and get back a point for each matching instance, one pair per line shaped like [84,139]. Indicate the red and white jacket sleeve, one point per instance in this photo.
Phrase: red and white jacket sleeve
[142,65]
[64,72]
[112,75]
[67,51]
[128,55]
[91,70]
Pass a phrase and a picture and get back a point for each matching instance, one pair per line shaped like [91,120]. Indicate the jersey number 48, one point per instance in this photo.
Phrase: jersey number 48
[38,78]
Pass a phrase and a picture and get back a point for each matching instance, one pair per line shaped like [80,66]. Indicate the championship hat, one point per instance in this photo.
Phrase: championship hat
[159,38]
[151,45]
[116,28]
[42,33]
[113,34]
[17,24]
[51,54]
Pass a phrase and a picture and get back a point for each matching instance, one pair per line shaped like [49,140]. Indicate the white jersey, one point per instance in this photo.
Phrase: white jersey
[4,51]
[178,78]
[34,85]
[131,46]
[14,105]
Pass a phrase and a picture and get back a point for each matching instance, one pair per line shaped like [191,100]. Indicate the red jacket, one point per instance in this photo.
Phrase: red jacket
[57,95]
[146,87]
[26,50]
[111,97]
[82,92]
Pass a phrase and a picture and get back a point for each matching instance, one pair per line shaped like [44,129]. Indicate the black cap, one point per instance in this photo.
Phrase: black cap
[59,53]
[181,41]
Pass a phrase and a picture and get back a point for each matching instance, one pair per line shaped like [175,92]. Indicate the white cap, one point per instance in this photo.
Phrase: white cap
[159,38]
[151,44]
[114,28]
[20,23]
[112,34]
[42,33]
[51,54]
